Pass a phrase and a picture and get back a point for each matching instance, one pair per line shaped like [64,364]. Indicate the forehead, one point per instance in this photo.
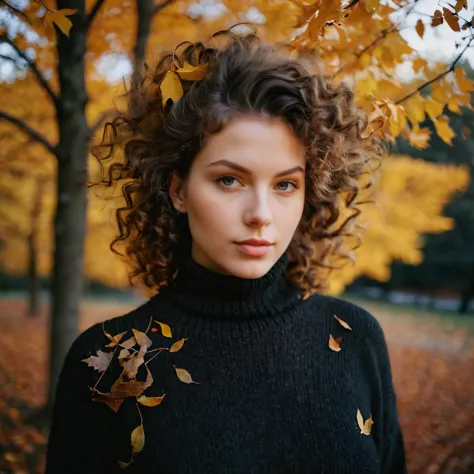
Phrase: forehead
[254,142]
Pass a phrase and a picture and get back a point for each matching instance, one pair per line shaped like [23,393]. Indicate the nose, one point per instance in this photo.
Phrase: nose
[258,213]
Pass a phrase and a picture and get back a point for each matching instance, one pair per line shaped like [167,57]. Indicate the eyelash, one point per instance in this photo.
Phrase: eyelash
[295,187]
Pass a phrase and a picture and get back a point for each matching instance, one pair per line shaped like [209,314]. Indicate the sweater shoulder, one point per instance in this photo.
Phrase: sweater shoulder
[363,323]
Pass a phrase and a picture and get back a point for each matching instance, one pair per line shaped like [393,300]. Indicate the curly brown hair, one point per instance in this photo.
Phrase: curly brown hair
[150,140]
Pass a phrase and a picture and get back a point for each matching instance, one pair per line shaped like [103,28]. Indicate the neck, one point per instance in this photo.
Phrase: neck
[213,295]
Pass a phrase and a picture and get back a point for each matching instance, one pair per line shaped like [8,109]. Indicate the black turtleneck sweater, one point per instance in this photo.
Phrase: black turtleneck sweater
[271,396]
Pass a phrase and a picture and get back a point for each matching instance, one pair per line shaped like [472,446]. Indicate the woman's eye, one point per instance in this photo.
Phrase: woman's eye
[227,181]
[285,186]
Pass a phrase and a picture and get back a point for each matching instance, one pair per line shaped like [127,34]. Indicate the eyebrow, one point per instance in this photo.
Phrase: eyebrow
[240,168]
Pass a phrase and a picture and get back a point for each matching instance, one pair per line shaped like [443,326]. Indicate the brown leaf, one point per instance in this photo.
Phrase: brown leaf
[334,343]
[364,426]
[100,362]
[115,339]
[150,401]
[420,28]
[184,375]
[130,388]
[111,402]
[129,343]
[343,323]
[460,4]
[451,19]
[165,329]
[138,439]
[124,353]
[177,345]
[130,368]
[437,18]
[142,338]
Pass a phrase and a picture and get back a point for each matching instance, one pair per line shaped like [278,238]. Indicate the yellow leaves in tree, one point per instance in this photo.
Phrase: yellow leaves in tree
[464,84]
[443,129]
[419,137]
[60,19]
[364,426]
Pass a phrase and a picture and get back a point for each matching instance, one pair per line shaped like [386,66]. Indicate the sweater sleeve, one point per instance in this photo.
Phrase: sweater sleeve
[393,456]
[81,430]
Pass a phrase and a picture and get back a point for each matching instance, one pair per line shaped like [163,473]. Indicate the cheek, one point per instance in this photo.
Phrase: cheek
[207,211]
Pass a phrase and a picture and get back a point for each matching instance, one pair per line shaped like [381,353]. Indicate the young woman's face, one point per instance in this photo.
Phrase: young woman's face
[247,182]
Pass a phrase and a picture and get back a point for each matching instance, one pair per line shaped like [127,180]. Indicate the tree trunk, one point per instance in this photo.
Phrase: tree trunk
[33,278]
[70,217]
[466,295]
[145,11]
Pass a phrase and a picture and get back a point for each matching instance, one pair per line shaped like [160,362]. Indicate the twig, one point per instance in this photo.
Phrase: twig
[160,6]
[29,131]
[95,9]
[439,76]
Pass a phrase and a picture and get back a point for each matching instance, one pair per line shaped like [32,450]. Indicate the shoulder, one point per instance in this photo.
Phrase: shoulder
[364,325]
[97,336]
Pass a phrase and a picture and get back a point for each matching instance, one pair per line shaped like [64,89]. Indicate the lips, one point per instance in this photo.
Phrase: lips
[254,247]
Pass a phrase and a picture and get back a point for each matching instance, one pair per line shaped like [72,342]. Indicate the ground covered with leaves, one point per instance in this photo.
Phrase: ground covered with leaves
[432,359]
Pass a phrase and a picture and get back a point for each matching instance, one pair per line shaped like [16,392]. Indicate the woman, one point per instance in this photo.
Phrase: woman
[238,163]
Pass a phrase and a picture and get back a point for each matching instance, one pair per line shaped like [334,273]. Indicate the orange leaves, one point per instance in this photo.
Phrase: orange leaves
[419,137]
[60,19]
[437,18]
[343,323]
[334,343]
[171,88]
[127,384]
[420,28]
[451,19]
[443,129]
[364,426]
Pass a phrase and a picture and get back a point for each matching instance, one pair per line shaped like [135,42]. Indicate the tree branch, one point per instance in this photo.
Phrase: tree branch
[15,10]
[23,126]
[160,6]
[95,9]
[439,76]
[39,76]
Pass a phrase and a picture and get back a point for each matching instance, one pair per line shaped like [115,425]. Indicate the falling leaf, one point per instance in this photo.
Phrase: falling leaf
[138,439]
[437,18]
[451,19]
[177,345]
[420,28]
[364,426]
[343,323]
[171,88]
[150,401]
[165,329]
[444,131]
[130,368]
[100,362]
[334,343]
[184,376]
[107,398]
[115,339]
[124,465]
[142,339]
[193,73]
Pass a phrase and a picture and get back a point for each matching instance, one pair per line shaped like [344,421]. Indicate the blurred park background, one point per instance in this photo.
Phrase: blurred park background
[63,66]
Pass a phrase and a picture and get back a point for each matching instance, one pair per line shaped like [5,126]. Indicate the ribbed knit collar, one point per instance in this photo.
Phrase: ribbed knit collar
[206,293]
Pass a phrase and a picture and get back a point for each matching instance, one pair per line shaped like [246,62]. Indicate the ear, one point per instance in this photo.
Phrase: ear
[177,192]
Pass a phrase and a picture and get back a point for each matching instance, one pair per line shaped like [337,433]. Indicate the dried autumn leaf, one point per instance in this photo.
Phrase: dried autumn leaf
[115,339]
[420,138]
[184,376]
[343,323]
[177,345]
[464,84]
[142,339]
[364,426]
[150,401]
[130,368]
[451,19]
[99,362]
[165,329]
[138,439]
[193,73]
[129,343]
[107,398]
[124,353]
[171,88]
[124,465]
[437,18]
[420,28]
[334,343]
[460,4]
